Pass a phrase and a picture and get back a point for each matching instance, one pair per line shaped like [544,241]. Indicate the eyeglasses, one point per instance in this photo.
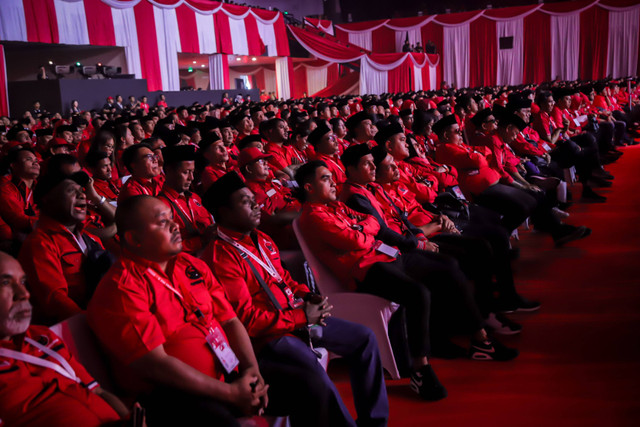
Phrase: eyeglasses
[151,157]
[458,131]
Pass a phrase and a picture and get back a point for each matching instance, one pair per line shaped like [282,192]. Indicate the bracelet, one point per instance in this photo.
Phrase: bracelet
[102,200]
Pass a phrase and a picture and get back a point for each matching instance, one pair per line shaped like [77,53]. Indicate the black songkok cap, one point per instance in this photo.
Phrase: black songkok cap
[218,194]
[356,119]
[44,132]
[354,153]
[384,133]
[379,154]
[318,133]
[512,119]
[444,123]
[51,180]
[480,117]
[13,132]
[175,154]
[406,112]
[518,103]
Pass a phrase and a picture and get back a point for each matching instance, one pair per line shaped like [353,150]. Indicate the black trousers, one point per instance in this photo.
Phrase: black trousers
[513,204]
[434,292]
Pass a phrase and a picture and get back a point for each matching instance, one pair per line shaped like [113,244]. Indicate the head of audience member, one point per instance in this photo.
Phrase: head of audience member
[448,130]
[485,121]
[300,138]
[509,127]
[324,111]
[137,131]
[148,123]
[182,113]
[98,163]
[58,146]
[338,127]
[141,161]
[213,150]
[562,97]
[226,132]
[276,131]
[251,141]
[315,183]
[146,229]
[179,167]
[119,99]
[324,141]
[124,137]
[193,134]
[407,116]
[545,101]
[521,107]
[253,165]
[360,125]
[468,105]
[61,197]
[157,144]
[43,137]
[387,171]
[232,204]
[66,132]
[19,134]
[416,149]
[65,164]
[358,163]
[394,140]
[257,115]
[242,123]
[422,123]
[24,164]
[15,309]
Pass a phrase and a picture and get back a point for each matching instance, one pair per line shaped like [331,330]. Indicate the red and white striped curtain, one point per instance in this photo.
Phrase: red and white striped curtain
[396,73]
[312,77]
[4,93]
[152,32]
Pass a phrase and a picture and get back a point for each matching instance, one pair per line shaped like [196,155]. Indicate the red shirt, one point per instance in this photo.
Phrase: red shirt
[421,191]
[280,155]
[133,312]
[137,187]
[107,188]
[334,164]
[498,157]
[273,197]
[544,125]
[192,218]
[401,197]
[426,167]
[211,174]
[527,143]
[333,234]
[474,173]
[253,305]
[37,396]
[52,259]
[17,207]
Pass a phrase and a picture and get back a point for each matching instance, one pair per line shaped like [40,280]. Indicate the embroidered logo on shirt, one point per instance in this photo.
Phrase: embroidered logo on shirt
[192,273]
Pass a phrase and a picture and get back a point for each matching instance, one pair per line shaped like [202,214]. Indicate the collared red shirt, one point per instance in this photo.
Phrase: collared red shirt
[400,196]
[107,188]
[259,315]
[474,173]
[280,155]
[133,312]
[421,191]
[138,187]
[53,261]
[36,395]
[211,174]
[188,206]
[273,197]
[17,207]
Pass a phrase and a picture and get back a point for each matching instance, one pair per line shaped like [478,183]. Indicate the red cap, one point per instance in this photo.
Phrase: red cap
[57,142]
[250,155]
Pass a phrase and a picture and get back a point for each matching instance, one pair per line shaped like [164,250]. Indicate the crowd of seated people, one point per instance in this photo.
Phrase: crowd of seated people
[165,225]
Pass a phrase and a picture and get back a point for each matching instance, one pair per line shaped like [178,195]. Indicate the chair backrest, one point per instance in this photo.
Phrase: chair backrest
[325,280]
[83,345]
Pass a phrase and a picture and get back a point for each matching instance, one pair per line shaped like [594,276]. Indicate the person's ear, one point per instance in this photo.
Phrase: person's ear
[130,239]
[308,187]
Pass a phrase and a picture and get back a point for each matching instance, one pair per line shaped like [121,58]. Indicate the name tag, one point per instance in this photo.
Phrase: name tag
[271,192]
[546,147]
[473,172]
[221,349]
[387,250]
[456,190]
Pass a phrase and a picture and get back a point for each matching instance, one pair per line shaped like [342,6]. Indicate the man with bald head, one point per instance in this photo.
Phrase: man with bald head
[40,383]
[169,329]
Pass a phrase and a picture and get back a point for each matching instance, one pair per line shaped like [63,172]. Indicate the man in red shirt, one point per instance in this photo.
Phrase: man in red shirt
[142,162]
[326,147]
[41,384]
[17,208]
[282,317]
[98,163]
[217,159]
[275,131]
[192,218]
[172,335]
[361,129]
[346,240]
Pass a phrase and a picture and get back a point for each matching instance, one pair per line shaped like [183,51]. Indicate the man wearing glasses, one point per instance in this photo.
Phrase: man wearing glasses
[146,179]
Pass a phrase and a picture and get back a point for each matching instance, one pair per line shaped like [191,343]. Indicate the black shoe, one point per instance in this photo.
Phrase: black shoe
[500,324]
[590,196]
[601,173]
[516,303]
[491,350]
[572,234]
[426,384]
[599,183]
[445,349]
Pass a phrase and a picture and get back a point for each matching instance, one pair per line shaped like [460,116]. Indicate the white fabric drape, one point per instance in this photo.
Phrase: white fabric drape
[216,72]
[238,33]
[417,78]
[362,39]
[510,61]
[72,22]
[414,35]
[565,46]
[168,47]
[270,81]
[456,55]
[268,36]
[623,43]
[316,79]
[124,26]
[432,77]
[13,24]
[372,80]
[206,33]
[283,84]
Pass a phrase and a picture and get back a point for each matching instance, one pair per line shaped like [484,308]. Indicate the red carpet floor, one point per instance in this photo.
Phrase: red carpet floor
[579,358]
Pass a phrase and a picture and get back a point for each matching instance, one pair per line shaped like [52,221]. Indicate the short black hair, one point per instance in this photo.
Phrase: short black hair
[305,174]
[56,163]
[129,154]
[93,157]
[125,214]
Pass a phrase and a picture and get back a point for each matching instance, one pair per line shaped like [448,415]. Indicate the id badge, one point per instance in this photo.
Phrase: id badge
[387,250]
[221,349]
[546,147]
[271,192]
[458,192]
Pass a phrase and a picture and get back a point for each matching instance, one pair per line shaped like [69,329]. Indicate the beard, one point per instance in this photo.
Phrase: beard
[17,322]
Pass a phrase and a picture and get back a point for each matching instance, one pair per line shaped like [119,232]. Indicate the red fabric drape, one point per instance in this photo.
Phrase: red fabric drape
[426,80]
[457,18]
[4,93]
[292,77]
[433,32]
[362,26]
[332,73]
[148,45]
[254,42]
[42,23]
[223,33]
[537,48]
[383,40]
[300,87]
[282,39]
[225,70]
[188,30]
[483,52]
[99,23]
[401,78]
[325,46]
[594,39]
[341,35]
[259,76]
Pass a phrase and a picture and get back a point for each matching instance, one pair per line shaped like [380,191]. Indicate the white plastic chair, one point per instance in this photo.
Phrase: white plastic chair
[366,309]
[570,175]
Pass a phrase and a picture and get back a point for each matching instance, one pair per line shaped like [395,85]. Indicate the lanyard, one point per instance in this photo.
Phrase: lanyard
[266,264]
[188,215]
[65,370]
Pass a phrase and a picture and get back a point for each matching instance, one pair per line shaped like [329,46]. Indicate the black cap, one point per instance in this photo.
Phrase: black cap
[318,133]
[175,154]
[13,132]
[66,128]
[518,103]
[386,132]
[379,154]
[50,181]
[356,119]
[354,153]
[512,119]
[481,116]
[218,194]
[44,132]
[444,123]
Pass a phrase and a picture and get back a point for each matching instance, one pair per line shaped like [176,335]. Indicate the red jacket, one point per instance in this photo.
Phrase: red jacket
[474,173]
[17,207]
[416,184]
[109,189]
[136,187]
[255,309]
[280,155]
[211,174]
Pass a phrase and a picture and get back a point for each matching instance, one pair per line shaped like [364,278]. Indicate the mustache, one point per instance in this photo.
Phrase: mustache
[19,307]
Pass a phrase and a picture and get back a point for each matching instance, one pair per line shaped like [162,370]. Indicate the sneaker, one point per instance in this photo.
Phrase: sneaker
[425,383]
[491,350]
[500,324]
[570,235]
[516,303]
[559,213]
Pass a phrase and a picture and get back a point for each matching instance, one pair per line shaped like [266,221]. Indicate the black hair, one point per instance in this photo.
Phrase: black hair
[305,174]
[129,154]
[93,157]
